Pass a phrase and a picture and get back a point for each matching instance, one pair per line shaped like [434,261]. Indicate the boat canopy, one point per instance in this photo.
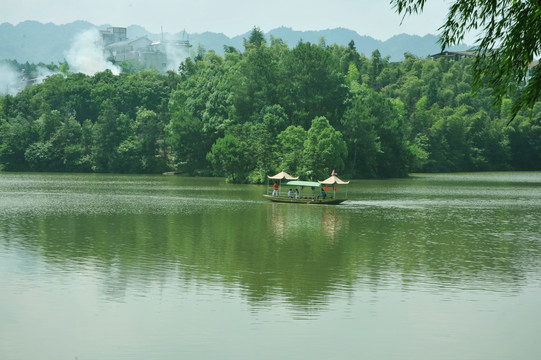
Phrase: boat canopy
[282,175]
[333,180]
[303,183]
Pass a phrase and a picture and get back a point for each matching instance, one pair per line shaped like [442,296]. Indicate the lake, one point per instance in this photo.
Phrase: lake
[435,266]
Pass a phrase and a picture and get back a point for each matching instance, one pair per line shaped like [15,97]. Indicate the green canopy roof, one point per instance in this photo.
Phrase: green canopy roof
[303,183]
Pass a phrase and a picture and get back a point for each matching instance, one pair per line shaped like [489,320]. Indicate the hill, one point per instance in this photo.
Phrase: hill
[36,42]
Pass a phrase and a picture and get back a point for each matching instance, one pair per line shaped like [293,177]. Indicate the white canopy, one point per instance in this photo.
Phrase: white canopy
[282,175]
[333,180]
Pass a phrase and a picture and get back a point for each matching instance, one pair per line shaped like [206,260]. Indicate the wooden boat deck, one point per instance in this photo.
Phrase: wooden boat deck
[304,200]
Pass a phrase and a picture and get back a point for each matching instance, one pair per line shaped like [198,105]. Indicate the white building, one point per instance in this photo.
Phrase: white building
[127,49]
[160,55]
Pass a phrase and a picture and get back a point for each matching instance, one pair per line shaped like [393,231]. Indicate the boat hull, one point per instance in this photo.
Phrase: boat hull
[304,200]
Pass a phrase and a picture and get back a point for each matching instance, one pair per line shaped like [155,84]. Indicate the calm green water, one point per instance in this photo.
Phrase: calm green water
[158,267]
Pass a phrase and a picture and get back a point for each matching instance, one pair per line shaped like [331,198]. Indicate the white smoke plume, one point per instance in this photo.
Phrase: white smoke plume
[175,55]
[43,73]
[86,54]
[10,81]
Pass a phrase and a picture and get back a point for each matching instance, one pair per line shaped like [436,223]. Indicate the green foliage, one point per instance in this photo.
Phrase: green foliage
[16,135]
[324,149]
[524,136]
[230,157]
[290,149]
[508,40]
[148,132]
[255,82]
[308,111]
[256,39]
[131,66]
[375,132]
[41,156]
[312,85]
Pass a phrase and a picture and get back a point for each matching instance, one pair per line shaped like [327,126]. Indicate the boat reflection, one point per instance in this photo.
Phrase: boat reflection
[287,220]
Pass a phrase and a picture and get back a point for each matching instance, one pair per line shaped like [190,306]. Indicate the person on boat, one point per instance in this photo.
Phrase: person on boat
[289,193]
[323,193]
[275,191]
[296,193]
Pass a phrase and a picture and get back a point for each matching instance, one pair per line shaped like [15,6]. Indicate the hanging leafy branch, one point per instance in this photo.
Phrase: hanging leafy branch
[509,38]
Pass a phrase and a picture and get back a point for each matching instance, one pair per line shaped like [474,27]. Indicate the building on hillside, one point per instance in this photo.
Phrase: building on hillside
[127,49]
[454,55]
[531,67]
[160,55]
[457,55]
[113,34]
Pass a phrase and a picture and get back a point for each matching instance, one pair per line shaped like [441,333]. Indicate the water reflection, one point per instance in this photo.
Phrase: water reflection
[136,232]
[190,266]
[323,221]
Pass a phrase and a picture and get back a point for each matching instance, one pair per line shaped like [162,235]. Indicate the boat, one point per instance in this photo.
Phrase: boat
[304,200]
[306,192]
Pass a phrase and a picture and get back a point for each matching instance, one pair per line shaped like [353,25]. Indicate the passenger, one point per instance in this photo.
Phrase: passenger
[275,191]
[323,193]
[296,193]
[289,193]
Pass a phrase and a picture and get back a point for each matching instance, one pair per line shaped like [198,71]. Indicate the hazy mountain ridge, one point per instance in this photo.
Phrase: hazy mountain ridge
[36,42]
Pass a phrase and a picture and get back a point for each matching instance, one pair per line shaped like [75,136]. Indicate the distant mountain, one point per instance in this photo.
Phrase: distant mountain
[36,42]
[414,44]
[394,47]
[214,41]
[338,36]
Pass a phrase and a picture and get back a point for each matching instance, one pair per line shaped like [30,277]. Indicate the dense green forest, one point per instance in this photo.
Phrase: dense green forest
[306,110]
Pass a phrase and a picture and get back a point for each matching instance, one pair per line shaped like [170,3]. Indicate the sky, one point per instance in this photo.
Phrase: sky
[375,18]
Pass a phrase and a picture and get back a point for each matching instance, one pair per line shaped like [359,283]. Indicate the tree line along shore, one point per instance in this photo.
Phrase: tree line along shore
[307,110]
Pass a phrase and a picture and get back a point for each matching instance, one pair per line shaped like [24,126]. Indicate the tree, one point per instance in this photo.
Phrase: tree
[376,67]
[255,82]
[148,133]
[448,143]
[508,40]
[290,149]
[15,137]
[229,157]
[261,138]
[312,85]
[375,131]
[198,109]
[41,156]
[48,124]
[273,118]
[72,144]
[256,39]
[64,68]
[184,135]
[525,141]
[324,148]
[353,76]
[487,146]
[109,132]
[359,127]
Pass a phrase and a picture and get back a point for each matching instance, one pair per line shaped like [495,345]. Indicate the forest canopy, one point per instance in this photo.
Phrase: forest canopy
[253,112]
[508,33]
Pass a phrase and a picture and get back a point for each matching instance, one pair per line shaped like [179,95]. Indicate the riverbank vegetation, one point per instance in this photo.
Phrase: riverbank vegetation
[306,110]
